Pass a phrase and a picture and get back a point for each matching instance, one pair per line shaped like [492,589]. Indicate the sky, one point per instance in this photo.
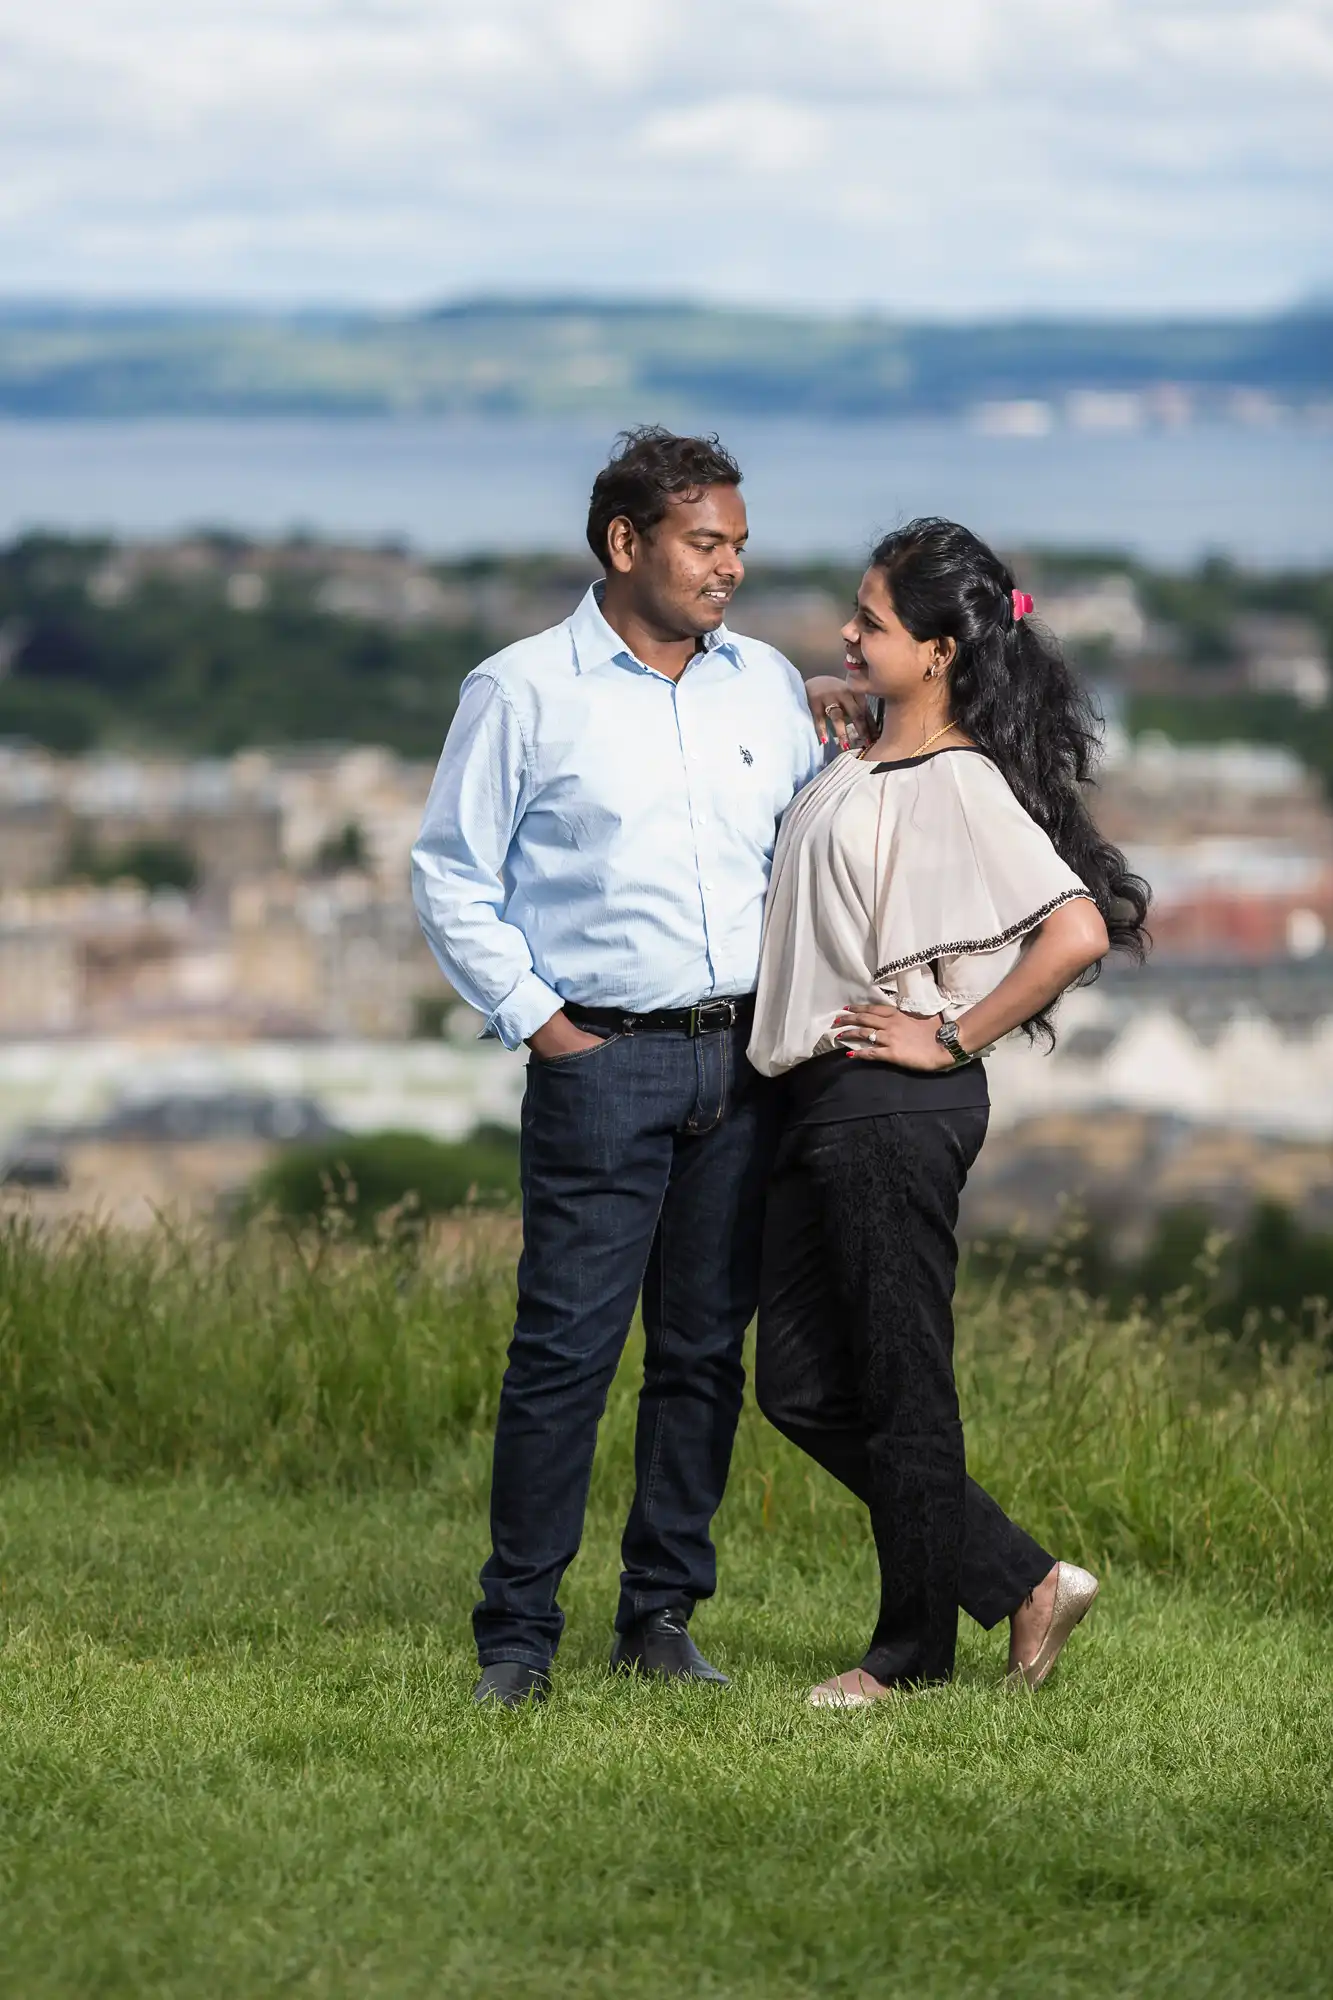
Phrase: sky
[956,158]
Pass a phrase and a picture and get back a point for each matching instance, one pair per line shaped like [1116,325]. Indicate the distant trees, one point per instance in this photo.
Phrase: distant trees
[156,864]
[343,850]
[173,665]
[95,656]
[1240,717]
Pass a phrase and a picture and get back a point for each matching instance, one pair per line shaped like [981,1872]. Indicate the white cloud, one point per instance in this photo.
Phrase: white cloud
[762,136]
[973,155]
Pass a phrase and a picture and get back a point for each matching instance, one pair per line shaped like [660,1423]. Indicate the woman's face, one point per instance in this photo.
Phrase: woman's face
[882,656]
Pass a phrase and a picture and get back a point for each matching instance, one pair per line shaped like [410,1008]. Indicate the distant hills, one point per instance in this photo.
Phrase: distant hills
[609,357]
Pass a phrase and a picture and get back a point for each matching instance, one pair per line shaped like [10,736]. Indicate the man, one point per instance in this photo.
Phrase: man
[591,875]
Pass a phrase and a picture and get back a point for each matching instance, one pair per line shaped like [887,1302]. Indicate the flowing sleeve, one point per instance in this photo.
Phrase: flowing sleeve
[969,875]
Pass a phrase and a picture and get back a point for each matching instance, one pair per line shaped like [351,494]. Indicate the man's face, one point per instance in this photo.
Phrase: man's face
[685,571]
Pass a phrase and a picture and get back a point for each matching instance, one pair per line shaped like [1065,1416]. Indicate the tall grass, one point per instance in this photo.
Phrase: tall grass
[1143,1439]
[298,1361]
[1118,1440]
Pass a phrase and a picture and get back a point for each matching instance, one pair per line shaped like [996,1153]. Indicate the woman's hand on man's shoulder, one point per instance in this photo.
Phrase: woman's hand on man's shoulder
[837,710]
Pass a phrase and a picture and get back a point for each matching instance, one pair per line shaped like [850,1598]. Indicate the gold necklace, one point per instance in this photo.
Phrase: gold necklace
[936,737]
[862,755]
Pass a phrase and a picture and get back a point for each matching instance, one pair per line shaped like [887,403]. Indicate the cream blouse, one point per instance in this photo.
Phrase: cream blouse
[910,884]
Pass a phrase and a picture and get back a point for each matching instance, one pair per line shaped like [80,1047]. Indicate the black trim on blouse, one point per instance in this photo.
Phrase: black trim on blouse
[971,947]
[949,750]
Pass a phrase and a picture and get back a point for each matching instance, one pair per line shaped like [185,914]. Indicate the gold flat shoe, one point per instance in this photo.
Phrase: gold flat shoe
[1074,1592]
[832,1694]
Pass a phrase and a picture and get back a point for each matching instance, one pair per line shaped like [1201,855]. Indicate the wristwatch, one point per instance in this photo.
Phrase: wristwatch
[947,1037]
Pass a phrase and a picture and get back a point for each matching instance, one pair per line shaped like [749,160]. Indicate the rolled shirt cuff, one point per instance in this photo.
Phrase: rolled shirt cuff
[523,1011]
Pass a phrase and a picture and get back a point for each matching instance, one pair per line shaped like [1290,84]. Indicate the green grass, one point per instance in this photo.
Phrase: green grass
[236,1750]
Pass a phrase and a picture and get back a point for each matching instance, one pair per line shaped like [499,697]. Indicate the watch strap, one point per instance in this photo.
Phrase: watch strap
[947,1037]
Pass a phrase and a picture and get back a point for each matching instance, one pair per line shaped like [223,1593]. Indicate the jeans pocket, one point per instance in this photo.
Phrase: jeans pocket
[575,1055]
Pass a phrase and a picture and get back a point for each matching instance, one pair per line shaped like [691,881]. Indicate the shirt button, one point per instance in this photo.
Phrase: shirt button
[707,883]
[703,819]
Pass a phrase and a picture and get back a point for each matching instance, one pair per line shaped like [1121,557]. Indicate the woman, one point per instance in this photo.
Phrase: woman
[928,896]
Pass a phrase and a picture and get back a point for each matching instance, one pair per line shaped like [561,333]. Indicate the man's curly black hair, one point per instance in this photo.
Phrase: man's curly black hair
[649,469]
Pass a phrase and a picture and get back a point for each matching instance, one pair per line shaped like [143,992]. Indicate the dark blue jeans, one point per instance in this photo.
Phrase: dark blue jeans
[644,1167]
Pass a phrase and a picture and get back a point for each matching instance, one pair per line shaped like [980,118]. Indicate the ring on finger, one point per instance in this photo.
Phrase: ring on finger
[872,1034]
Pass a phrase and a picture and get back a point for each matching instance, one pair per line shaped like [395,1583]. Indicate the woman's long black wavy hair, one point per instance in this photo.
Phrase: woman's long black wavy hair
[1014,696]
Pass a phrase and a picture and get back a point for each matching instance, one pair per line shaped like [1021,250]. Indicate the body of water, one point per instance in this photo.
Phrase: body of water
[453,485]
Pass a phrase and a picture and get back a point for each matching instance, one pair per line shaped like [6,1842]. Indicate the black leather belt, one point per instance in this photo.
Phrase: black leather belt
[709,1017]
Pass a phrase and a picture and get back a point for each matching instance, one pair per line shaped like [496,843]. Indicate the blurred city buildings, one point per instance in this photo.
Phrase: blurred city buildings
[1236,840]
[291,914]
[265,894]
[1160,405]
[237,932]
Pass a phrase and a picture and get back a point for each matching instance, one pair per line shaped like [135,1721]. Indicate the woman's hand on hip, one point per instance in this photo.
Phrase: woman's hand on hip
[884,1034]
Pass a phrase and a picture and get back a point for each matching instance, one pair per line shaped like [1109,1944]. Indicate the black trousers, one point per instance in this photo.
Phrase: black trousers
[855,1365]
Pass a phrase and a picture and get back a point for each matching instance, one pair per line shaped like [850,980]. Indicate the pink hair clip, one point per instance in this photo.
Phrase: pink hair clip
[1022,604]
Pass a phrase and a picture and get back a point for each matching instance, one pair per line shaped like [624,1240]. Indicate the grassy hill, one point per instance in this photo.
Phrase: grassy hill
[244,1501]
[561,355]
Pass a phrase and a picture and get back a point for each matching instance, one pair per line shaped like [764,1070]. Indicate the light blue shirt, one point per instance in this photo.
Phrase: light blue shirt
[599,833]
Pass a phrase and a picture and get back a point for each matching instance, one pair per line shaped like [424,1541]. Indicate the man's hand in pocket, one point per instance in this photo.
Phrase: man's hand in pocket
[559,1037]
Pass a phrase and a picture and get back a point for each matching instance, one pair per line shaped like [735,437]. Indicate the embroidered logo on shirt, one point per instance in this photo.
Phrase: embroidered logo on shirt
[746,758]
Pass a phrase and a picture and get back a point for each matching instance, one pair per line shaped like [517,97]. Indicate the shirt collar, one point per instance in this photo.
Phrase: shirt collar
[597,644]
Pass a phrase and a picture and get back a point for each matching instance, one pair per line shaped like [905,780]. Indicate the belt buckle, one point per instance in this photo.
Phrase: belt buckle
[704,1017]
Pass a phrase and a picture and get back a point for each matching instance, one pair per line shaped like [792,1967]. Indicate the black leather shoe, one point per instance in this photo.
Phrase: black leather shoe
[511,1683]
[660,1645]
